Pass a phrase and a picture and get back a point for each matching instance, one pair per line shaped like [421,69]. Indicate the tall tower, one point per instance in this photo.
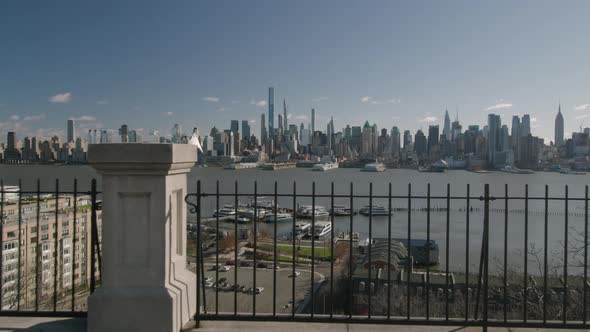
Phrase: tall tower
[312,121]
[559,128]
[271,111]
[71,131]
[494,134]
[286,123]
[447,126]
[263,134]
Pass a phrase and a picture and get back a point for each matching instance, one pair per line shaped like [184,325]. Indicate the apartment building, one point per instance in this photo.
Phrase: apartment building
[52,245]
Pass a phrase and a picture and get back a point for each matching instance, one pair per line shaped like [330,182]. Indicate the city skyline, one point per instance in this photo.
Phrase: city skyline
[383,67]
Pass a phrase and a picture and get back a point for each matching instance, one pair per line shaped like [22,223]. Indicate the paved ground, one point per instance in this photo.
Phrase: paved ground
[20,324]
[264,278]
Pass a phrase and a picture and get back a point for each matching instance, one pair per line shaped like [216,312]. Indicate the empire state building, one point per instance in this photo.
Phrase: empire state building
[559,128]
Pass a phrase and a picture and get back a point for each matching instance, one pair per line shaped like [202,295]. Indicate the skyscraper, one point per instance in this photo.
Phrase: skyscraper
[286,123]
[433,137]
[559,128]
[263,135]
[235,126]
[407,139]
[71,131]
[525,125]
[494,134]
[515,133]
[312,120]
[447,126]
[271,111]
[245,130]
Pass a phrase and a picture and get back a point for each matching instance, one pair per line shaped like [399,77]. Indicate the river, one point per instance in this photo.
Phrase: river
[399,179]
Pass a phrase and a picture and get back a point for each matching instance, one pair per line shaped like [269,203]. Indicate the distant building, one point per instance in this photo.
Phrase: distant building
[559,128]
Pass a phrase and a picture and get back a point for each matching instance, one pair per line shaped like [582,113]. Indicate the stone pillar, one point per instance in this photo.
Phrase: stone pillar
[145,283]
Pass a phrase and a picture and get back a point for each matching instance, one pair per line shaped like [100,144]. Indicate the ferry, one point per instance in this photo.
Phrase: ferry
[325,167]
[376,210]
[249,213]
[374,167]
[280,217]
[343,210]
[321,229]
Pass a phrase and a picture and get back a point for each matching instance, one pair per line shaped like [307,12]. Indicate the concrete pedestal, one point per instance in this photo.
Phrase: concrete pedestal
[145,283]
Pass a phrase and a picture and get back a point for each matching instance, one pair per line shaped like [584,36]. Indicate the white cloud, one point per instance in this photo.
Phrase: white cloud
[14,117]
[367,99]
[533,119]
[102,102]
[168,113]
[261,103]
[582,107]
[499,106]
[583,116]
[34,117]
[61,98]
[251,121]
[428,119]
[318,99]
[211,99]
[223,109]
[85,118]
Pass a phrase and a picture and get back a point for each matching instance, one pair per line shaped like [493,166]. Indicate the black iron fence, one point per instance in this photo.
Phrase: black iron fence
[50,253]
[379,257]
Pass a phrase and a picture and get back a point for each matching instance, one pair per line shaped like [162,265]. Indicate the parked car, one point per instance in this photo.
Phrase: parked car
[225,268]
[297,274]
[259,290]
[245,263]
[262,265]
[230,262]
[208,279]
[276,267]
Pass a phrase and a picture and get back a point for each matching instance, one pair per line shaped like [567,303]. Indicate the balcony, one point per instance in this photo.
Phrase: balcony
[158,255]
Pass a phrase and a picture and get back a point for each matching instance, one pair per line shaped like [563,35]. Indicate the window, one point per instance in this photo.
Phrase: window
[10,234]
[34,240]
[9,245]
[45,227]
[33,229]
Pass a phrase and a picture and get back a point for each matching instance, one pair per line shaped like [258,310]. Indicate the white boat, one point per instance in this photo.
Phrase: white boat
[225,211]
[325,167]
[376,210]
[321,228]
[280,217]
[343,210]
[302,227]
[237,166]
[262,203]
[374,167]
[307,211]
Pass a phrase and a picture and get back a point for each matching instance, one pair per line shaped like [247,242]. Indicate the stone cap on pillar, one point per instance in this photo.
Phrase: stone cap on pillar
[142,158]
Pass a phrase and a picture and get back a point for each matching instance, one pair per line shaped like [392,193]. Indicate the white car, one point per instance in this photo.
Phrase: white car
[208,284]
[276,267]
[259,290]
[208,279]
[297,274]
[225,268]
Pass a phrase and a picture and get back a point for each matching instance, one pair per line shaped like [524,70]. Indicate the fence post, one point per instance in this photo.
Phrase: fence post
[145,285]
[486,234]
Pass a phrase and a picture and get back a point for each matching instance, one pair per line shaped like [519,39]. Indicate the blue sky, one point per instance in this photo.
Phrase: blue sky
[203,63]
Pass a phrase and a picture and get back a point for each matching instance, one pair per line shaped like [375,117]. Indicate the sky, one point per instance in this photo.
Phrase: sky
[203,63]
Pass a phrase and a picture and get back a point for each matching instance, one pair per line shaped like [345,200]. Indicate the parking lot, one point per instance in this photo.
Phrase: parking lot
[264,278]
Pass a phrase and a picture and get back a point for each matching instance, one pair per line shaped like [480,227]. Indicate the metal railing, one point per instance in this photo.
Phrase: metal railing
[407,284]
[50,249]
